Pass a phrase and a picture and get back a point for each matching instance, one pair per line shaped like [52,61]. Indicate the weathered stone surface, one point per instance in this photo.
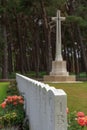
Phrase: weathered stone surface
[58,19]
[59,68]
[45,106]
[55,78]
[59,71]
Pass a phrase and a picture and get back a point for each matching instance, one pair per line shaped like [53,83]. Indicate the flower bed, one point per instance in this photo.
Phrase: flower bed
[77,121]
[12,113]
[12,110]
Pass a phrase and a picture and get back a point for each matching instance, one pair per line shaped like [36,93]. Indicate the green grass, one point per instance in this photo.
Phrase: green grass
[3,89]
[76,95]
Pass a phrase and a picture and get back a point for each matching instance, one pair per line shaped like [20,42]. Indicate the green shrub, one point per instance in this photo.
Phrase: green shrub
[77,121]
[12,113]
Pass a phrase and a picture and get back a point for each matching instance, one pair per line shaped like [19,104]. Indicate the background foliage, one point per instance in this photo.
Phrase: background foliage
[27,35]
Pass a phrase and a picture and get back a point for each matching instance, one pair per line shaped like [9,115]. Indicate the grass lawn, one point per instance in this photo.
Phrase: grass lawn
[76,95]
[3,89]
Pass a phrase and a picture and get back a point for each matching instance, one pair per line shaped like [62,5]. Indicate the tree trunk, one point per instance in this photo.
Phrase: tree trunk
[5,55]
[36,46]
[5,51]
[80,41]
[10,65]
[47,34]
[20,43]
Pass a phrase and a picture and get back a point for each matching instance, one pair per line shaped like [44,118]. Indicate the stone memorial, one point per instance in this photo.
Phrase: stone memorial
[59,69]
[45,106]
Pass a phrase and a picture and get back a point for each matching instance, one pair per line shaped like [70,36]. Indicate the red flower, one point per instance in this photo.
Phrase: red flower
[9,99]
[81,121]
[80,114]
[3,105]
[21,101]
[15,97]
[14,103]
[12,99]
[86,120]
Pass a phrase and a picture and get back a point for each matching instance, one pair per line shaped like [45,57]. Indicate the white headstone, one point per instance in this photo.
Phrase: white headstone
[57,109]
[46,106]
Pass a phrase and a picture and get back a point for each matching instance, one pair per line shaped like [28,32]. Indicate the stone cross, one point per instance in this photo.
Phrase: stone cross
[58,20]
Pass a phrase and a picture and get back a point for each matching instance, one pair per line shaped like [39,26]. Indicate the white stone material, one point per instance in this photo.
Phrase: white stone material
[59,68]
[59,71]
[58,20]
[45,105]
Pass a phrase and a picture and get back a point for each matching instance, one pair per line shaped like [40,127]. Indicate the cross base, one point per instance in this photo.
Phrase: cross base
[50,78]
[59,73]
[59,68]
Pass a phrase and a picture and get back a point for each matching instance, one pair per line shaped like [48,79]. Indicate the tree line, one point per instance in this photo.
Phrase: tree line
[27,35]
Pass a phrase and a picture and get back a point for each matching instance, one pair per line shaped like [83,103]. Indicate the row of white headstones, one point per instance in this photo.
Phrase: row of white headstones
[45,105]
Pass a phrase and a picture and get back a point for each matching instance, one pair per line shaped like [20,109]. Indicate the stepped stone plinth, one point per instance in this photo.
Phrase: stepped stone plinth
[59,73]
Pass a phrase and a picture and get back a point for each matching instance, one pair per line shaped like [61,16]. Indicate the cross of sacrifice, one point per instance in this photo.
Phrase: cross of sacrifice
[58,20]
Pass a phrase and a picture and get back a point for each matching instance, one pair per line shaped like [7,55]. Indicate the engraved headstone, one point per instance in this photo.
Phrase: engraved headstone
[45,105]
